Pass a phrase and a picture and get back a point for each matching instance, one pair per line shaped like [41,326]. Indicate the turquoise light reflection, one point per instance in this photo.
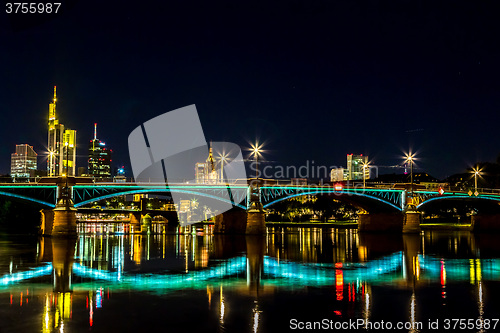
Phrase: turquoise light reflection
[282,273]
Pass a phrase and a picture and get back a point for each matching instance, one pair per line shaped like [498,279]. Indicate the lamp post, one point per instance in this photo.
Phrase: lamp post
[365,165]
[477,172]
[223,158]
[67,163]
[256,150]
[410,159]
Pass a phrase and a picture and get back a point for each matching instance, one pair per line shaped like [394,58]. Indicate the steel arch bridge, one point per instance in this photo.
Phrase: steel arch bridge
[366,198]
[385,199]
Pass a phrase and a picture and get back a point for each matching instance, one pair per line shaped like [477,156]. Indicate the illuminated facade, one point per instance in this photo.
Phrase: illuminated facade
[355,167]
[99,159]
[55,140]
[337,175]
[23,162]
[68,153]
[205,172]
[61,145]
[200,172]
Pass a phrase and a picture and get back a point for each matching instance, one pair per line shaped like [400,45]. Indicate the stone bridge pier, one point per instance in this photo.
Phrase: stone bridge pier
[405,222]
[485,222]
[250,222]
[61,221]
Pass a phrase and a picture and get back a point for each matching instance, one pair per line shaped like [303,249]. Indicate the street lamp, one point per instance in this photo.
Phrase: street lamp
[410,158]
[477,172]
[255,151]
[222,158]
[365,165]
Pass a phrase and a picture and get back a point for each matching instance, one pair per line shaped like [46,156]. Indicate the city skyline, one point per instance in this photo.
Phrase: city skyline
[395,80]
[69,136]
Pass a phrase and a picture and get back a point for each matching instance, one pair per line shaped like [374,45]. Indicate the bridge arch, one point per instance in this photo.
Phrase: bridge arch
[23,197]
[481,201]
[157,191]
[357,199]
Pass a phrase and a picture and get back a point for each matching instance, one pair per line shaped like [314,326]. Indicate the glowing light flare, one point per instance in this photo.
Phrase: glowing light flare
[477,171]
[256,149]
[410,157]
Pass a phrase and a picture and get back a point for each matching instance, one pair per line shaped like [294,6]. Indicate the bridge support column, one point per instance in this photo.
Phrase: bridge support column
[233,221]
[485,222]
[256,219]
[47,220]
[61,221]
[411,222]
[380,222]
[64,222]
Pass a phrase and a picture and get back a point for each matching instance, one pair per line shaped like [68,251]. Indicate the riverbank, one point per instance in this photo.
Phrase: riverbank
[354,225]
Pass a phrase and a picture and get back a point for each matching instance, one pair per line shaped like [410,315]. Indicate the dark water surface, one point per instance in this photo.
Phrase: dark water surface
[291,278]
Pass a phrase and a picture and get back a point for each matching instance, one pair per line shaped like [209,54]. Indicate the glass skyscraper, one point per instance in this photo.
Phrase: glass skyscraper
[99,159]
[23,162]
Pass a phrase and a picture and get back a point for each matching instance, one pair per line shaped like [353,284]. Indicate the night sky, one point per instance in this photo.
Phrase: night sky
[313,79]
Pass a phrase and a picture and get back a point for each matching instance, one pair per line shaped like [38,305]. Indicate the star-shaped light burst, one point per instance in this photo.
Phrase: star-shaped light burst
[256,151]
[410,158]
[477,173]
[223,158]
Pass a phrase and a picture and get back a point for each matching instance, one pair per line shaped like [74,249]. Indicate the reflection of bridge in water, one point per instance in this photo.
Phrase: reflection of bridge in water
[407,265]
[82,270]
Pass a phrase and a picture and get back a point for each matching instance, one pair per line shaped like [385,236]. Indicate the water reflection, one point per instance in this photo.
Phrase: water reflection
[81,282]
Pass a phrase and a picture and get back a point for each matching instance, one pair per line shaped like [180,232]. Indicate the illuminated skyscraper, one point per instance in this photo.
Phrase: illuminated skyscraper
[355,167]
[99,159]
[23,162]
[56,131]
[61,145]
[68,153]
[200,172]
[205,172]
[210,172]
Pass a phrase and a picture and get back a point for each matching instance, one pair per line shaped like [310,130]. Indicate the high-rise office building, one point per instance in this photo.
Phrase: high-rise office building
[68,153]
[23,162]
[355,167]
[61,145]
[337,175]
[205,172]
[200,172]
[56,131]
[99,159]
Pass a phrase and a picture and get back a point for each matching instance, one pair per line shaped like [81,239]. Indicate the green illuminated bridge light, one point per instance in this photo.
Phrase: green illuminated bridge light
[392,199]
